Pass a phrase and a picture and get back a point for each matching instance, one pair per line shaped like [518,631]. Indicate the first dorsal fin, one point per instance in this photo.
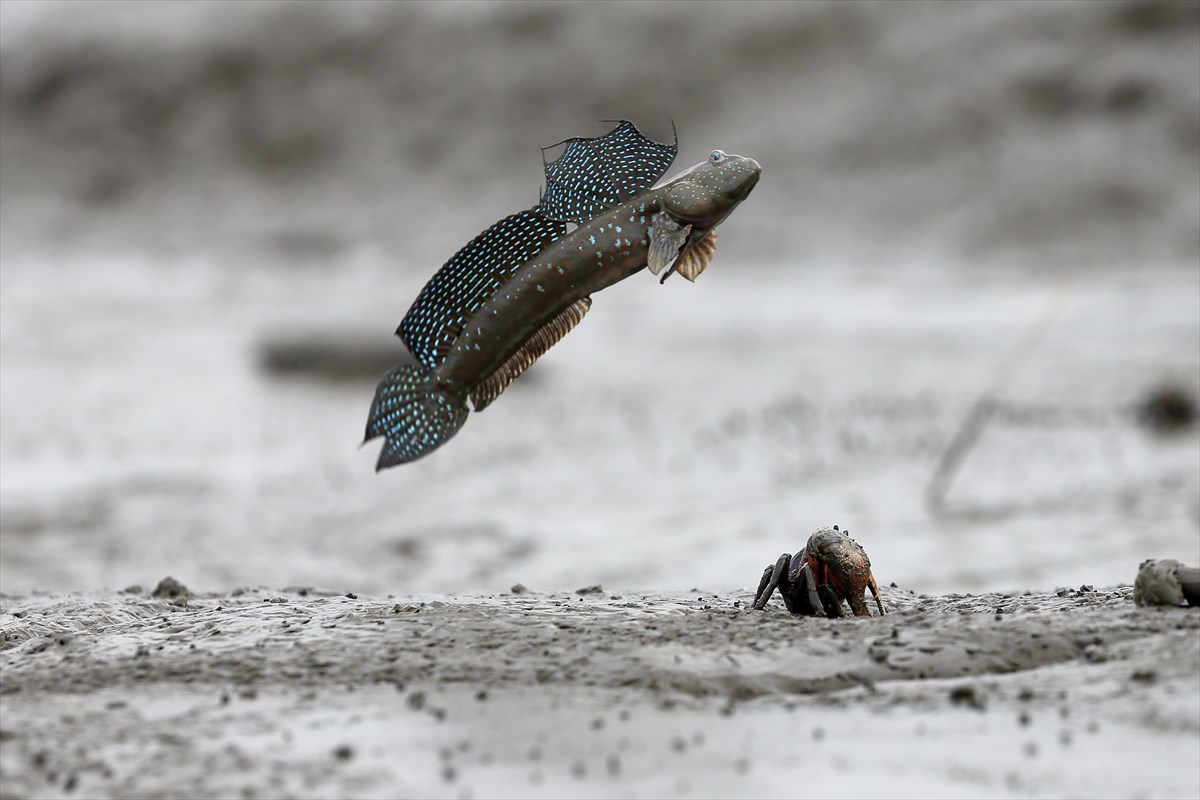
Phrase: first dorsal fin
[534,348]
[469,278]
[595,174]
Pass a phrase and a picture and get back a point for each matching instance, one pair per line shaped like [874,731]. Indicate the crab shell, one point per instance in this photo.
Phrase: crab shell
[838,560]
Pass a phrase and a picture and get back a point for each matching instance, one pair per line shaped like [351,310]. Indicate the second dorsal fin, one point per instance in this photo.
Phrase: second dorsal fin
[595,174]
[469,278]
[534,347]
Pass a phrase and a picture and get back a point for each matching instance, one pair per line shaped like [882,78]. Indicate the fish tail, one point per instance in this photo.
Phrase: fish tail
[415,412]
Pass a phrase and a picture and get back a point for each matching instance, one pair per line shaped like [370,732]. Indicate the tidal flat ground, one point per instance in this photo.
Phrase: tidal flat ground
[958,316]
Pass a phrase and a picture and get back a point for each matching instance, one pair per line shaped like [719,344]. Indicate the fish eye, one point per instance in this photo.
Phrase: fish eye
[716,156]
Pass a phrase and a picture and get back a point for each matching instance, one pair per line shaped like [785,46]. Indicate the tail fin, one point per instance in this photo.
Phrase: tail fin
[415,413]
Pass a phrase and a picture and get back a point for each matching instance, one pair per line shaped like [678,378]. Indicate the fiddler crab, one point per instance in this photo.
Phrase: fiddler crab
[830,569]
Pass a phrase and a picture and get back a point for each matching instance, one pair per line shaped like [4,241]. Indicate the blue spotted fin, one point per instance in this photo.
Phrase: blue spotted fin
[533,349]
[593,175]
[415,413]
[469,278]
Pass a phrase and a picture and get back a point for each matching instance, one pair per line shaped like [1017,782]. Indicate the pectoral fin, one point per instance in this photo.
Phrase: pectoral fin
[696,258]
[667,238]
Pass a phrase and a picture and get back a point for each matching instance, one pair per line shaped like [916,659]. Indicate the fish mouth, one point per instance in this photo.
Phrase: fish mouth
[742,191]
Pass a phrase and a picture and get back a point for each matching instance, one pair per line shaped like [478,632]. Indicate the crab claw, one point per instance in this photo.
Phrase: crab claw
[838,560]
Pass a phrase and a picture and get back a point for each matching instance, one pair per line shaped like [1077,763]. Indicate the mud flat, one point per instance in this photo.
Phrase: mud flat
[305,693]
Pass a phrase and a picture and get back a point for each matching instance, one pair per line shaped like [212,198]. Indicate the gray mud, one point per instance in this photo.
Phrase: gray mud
[313,694]
[213,215]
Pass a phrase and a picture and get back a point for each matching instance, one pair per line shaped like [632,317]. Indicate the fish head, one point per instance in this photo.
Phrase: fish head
[704,195]
[693,204]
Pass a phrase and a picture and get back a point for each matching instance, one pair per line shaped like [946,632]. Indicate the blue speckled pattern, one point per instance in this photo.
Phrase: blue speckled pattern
[414,413]
[469,278]
[529,298]
[592,175]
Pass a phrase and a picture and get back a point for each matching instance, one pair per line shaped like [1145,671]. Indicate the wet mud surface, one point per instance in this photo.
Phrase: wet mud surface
[214,218]
[304,693]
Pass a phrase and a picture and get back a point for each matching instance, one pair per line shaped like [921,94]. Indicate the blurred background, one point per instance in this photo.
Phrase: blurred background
[976,244]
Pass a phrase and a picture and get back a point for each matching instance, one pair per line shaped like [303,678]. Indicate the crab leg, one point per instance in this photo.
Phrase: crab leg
[874,587]
[771,578]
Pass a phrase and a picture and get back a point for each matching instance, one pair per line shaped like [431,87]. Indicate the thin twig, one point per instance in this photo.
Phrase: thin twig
[985,407]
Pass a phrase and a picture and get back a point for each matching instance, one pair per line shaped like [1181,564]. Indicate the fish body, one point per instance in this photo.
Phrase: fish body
[516,289]
[597,254]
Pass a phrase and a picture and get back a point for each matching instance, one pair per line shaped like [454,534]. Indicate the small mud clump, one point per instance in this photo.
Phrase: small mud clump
[967,696]
[1168,410]
[1166,582]
[170,588]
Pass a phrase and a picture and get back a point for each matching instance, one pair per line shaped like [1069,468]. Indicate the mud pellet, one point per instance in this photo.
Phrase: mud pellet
[966,696]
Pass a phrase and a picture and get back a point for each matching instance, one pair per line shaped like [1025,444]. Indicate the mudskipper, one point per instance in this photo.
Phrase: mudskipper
[516,289]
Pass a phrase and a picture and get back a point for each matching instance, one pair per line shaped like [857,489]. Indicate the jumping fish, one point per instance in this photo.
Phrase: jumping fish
[515,290]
